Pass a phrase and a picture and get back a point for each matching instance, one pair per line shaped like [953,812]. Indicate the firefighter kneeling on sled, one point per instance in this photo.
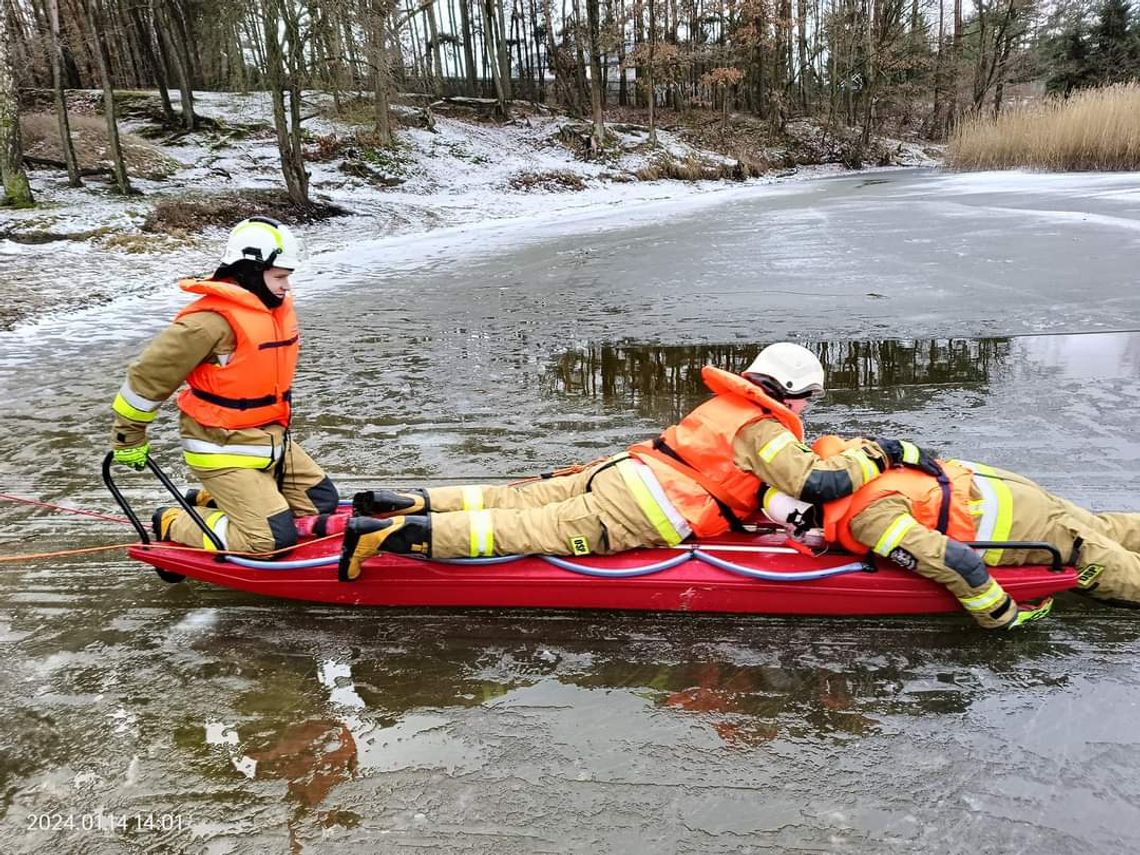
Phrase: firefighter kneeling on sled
[921,522]
[236,349]
[700,478]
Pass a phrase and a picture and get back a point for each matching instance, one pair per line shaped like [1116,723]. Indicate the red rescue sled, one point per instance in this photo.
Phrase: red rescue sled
[743,573]
[754,574]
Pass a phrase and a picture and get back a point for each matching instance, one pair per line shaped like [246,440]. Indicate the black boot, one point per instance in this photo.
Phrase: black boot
[364,537]
[160,522]
[385,502]
[200,498]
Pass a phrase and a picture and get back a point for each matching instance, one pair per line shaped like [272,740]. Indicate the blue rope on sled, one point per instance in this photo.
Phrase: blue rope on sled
[656,567]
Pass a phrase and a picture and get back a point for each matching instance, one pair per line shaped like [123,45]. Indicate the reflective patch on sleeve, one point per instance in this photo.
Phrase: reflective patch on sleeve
[910,452]
[773,446]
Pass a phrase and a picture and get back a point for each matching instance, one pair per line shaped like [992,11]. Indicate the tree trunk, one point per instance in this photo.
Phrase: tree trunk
[503,51]
[383,77]
[164,25]
[491,53]
[468,48]
[96,22]
[73,179]
[17,191]
[280,79]
[598,137]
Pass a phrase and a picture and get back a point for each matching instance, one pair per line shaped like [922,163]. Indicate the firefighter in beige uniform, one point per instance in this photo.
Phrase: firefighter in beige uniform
[236,348]
[920,522]
[700,478]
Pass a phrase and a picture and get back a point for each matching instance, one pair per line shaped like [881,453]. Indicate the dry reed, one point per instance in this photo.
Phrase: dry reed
[1094,129]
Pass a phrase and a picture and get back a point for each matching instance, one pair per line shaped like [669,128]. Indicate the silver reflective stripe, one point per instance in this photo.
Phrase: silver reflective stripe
[202,447]
[657,491]
[136,400]
[990,504]
[221,527]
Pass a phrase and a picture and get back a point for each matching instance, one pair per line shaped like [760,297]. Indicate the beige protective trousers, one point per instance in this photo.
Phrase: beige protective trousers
[552,516]
[252,515]
[1110,542]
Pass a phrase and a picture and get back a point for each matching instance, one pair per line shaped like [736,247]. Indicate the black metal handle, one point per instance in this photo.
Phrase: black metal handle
[161,475]
[1058,564]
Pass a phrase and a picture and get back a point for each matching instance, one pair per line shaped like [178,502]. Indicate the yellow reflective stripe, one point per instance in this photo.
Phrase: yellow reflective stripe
[772,447]
[990,596]
[472,498]
[217,522]
[482,534]
[866,464]
[997,508]
[225,461]
[910,452]
[649,506]
[892,537]
[124,408]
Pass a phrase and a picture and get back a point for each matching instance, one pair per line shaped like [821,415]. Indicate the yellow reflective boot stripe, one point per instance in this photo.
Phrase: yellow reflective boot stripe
[652,509]
[482,534]
[892,537]
[997,508]
[218,523]
[472,498]
[866,464]
[990,596]
[772,447]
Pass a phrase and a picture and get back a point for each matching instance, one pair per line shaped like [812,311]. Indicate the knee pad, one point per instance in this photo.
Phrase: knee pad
[966,563]
[283,528]
[324,496]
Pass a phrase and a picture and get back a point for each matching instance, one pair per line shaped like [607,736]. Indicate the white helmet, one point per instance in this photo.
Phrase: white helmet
[783,509]
[787,370]
[266,241]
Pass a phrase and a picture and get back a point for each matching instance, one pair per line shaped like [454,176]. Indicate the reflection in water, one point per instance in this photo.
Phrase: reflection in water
[664,381]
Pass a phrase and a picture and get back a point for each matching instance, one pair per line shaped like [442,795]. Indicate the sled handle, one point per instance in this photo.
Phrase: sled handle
[161,475]
[1058,566]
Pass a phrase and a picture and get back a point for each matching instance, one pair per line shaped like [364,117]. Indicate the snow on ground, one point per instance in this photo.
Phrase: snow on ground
[457,175]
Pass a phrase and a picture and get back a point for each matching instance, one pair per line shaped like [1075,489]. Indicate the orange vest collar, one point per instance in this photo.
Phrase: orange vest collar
[723,382]
[225,290]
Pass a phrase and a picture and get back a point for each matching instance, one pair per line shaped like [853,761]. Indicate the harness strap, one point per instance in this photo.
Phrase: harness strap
[241,403]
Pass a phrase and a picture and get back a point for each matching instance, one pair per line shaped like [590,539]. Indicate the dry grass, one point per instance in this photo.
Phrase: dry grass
[40,133]
[1095,129]
[552,181]
[182,217]
[692,168]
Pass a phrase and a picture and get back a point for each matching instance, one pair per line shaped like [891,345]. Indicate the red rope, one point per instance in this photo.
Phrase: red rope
[62,509]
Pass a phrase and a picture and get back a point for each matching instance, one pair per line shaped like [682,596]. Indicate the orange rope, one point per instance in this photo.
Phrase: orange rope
[37,556]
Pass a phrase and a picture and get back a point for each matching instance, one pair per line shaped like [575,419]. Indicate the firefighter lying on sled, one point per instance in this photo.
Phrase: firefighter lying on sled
[700,478]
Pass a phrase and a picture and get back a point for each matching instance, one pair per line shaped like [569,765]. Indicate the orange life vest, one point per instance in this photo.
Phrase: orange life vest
[938,506]
[693,460]
[254,387]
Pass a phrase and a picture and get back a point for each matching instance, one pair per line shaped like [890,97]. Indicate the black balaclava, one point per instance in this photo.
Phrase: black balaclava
[250,275]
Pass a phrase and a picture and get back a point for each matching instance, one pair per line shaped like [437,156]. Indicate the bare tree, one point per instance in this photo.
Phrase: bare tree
[69,160]
[17,191]
[283,46]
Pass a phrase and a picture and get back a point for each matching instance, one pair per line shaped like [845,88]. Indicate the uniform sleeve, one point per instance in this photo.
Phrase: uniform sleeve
[888,529]
[161,368]
[771,452]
